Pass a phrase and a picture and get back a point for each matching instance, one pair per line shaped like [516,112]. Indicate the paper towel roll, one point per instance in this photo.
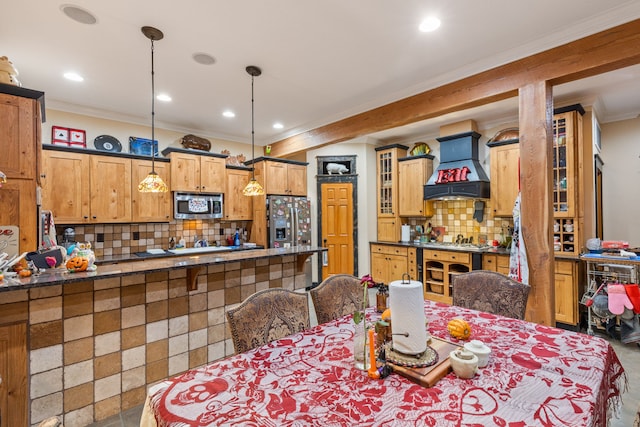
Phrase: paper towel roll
[405,233]
[406,301]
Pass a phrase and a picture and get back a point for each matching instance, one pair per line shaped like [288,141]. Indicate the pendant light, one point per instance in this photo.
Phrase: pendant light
[152,182]
[253,188]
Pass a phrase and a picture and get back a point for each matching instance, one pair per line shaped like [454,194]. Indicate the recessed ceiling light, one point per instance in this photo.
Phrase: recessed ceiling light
[278,125]
[229,114]
[78,14]
[203,58]
[73,76]
[163,97]
[430,24]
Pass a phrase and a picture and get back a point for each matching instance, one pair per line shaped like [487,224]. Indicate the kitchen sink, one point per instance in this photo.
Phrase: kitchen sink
[204,250]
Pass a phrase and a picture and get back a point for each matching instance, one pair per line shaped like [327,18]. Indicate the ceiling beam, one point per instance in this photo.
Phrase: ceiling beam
[602,52]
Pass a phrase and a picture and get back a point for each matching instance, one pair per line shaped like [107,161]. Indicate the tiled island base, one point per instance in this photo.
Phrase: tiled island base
[95,346]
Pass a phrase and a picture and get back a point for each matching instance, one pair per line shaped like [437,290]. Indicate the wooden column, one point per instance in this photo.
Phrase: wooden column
[536,115]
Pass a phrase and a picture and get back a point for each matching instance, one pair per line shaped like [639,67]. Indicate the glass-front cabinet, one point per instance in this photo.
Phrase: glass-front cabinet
[567,137]
[387,198]
[564,143]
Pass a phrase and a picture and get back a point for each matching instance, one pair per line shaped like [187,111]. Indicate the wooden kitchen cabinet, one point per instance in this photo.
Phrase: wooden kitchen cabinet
[568,185]
[389,263]
[14,396]
[567,292]
[65,186]
[83,188]
[19,131]
[505,156]
[18,198]
[196,173]
[281,177]
[566,278]
[20,127]
[413,173]
[496,262]
[110,189]
[236,205]
[569,153]
[440,267]
[150,207]
[387,196]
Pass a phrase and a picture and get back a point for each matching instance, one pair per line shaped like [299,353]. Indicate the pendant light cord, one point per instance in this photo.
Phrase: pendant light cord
[253,166]
[153,113]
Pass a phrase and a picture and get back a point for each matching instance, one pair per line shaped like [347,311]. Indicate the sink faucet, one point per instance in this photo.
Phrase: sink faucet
[202,243]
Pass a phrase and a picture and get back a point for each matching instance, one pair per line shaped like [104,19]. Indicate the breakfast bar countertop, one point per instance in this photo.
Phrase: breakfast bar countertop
[151,265]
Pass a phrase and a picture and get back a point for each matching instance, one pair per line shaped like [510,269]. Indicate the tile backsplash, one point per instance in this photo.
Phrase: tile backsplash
[457,217]
[126,239]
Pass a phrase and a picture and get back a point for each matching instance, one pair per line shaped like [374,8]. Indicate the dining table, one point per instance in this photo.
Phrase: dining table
[537,375]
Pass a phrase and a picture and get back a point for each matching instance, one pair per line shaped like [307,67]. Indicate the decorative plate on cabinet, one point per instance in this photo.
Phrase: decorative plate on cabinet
[107,143]
[420,148]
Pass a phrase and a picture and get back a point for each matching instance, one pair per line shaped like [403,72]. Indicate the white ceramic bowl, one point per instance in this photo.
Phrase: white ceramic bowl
[464,363]
[481,350]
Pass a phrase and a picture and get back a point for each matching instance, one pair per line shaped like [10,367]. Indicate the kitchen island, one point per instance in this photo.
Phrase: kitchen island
[91,343]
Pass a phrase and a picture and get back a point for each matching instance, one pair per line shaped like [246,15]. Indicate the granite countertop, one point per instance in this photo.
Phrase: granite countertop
[439,246]
[143,256]
[151,265]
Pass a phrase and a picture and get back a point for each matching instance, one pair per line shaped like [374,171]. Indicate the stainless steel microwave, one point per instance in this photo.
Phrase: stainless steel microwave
[197,206]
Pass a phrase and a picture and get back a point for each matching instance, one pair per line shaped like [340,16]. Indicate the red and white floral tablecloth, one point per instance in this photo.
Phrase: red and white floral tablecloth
[537,376]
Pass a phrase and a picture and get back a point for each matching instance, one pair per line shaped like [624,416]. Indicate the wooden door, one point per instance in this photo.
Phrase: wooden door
[110,185]
[212,174]
[150,207]
[185,172]
[18,135]
[337,228]
[13,371]
[236,205]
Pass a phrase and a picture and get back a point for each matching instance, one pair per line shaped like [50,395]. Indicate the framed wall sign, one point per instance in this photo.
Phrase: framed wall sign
[143,146]
[69,137]
[59,135]
[77,136]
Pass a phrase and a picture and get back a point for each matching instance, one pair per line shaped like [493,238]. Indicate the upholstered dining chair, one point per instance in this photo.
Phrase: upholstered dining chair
[266,316]
[491,292]
[337,296]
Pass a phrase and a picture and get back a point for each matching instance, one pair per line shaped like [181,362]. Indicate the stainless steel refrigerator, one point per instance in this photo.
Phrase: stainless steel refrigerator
[288,221]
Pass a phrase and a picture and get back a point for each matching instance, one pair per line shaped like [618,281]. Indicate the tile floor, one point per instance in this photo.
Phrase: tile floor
[629,356]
